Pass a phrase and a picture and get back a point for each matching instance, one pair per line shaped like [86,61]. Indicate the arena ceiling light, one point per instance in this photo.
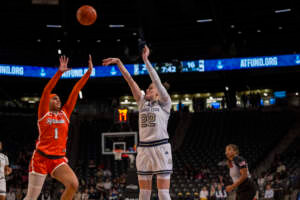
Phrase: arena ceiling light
[204,20]
[283,10]
[45,2]
[54,26]
[116,26]
[30,99]
[125,102]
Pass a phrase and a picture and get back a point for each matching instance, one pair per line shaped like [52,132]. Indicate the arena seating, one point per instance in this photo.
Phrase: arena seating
[255,132]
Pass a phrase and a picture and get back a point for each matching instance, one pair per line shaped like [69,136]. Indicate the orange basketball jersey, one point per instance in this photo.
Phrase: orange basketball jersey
[53,133]
[53,128]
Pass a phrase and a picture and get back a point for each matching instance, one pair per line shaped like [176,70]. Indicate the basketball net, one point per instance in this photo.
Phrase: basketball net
[118,154]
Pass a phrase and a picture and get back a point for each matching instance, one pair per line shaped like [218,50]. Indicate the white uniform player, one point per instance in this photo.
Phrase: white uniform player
[4,170]
[3,162]
[154,151]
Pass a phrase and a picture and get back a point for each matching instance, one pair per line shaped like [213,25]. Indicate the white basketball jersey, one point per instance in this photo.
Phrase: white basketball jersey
[153,119]
[3,163]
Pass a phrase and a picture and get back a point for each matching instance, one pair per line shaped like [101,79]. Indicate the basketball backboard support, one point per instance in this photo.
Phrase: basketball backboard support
[125,141]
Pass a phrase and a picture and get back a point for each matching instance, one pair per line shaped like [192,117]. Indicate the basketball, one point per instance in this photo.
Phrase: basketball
[86,15]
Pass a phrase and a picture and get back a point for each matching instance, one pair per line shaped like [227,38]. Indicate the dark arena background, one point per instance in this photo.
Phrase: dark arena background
[234,73]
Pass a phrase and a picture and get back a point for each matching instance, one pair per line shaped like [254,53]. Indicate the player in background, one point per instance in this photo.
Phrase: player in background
[5,170]
[154,151]
[239,172]
[49,156]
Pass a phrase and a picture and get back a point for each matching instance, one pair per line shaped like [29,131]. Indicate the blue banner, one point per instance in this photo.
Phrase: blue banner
[140,69]
[241,63]
[48,72]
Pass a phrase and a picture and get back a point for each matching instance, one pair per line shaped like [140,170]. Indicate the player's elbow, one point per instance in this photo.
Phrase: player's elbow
[47,89]
[166,99]
[8,171]
[137,98]
[244,176]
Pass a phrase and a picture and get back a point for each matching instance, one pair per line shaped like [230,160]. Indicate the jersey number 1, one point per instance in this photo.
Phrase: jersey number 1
[56,133]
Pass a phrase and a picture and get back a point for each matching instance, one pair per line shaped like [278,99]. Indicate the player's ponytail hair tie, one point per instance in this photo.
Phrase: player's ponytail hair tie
[53,95]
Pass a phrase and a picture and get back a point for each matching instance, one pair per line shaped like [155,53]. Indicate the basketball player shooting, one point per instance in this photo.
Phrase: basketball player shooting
[154,152]
[53,122]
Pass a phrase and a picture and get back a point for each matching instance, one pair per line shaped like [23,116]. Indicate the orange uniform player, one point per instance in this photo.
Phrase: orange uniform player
[53,124]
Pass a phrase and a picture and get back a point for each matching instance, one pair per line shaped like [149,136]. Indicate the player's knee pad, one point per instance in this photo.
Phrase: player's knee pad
[164,194]
[145,194]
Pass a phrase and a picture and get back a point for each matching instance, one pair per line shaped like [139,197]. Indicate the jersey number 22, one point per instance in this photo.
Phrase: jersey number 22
[148,120]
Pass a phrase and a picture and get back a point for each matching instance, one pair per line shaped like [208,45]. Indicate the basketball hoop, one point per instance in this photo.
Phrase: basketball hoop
[118,154]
